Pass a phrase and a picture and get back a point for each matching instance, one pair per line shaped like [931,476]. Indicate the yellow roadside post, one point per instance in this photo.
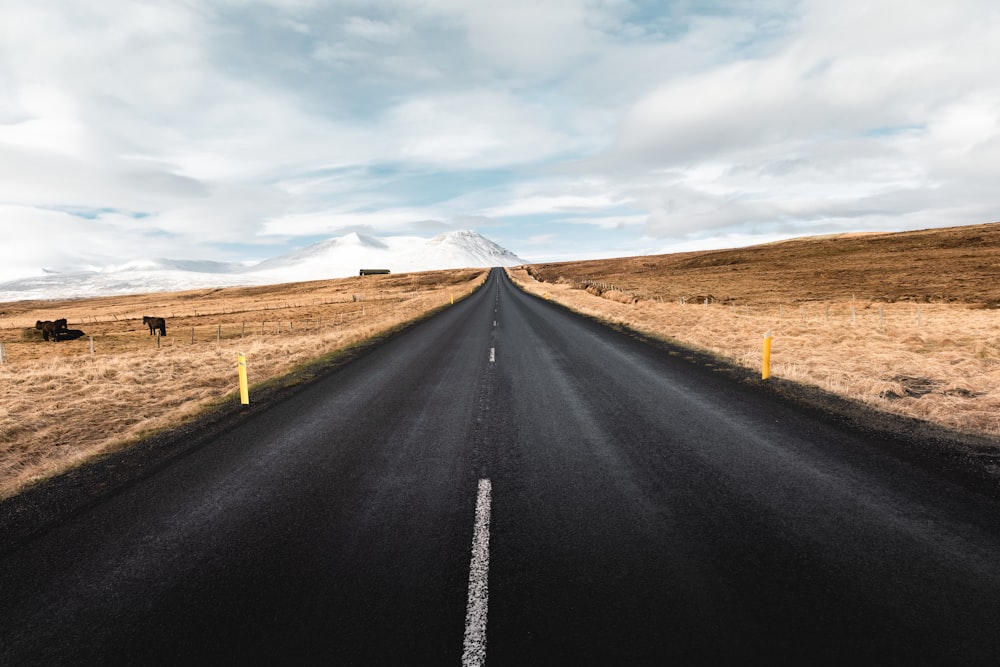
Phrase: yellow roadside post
[453,299]
[244,392]
[765,366]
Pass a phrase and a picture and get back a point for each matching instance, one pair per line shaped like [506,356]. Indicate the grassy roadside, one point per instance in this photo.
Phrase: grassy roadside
[62,405]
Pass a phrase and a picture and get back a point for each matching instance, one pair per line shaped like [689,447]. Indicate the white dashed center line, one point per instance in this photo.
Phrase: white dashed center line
[493,355]
[474,652]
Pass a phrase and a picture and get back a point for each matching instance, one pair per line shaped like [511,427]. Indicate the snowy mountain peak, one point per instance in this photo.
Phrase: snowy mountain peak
[476,241]
[354,238]
[479,250]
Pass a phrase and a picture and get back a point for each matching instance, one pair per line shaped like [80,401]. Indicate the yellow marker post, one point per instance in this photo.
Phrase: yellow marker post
[765,366]
[453,299]
[244,392]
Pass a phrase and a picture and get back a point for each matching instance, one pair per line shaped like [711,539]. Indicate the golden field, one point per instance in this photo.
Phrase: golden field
[62,403]
[906,323]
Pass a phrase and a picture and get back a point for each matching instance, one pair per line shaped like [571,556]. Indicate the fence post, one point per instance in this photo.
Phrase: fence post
[765,366]
[192,335]
[241,361]
[157,340]
[3,354]
[91,347]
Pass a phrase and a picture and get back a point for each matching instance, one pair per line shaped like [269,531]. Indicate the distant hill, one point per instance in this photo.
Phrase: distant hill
[946,265]
[337,257]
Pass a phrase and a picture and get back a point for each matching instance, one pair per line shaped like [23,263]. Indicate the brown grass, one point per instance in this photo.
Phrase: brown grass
[903,322]
[61,405]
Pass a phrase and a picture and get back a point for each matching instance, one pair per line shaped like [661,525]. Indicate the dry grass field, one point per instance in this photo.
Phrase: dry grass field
[907,323]
[62,403]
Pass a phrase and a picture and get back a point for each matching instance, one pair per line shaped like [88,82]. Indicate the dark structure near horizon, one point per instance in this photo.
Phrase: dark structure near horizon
[373,272]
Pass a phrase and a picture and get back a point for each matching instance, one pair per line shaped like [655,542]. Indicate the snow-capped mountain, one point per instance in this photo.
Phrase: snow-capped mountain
[337,257]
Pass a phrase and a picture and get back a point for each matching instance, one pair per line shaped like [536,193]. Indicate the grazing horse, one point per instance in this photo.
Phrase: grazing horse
[155,323]
[51,328]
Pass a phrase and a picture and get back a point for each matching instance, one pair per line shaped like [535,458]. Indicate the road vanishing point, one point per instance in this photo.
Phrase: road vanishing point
[510,483]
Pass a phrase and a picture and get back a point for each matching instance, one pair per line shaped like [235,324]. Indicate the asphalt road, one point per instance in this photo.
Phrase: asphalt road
[510,482]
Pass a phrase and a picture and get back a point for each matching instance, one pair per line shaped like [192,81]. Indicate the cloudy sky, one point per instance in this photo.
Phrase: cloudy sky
[240,129]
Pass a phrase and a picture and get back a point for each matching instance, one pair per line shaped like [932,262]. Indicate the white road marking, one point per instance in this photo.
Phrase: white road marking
[493,355]
[474,652]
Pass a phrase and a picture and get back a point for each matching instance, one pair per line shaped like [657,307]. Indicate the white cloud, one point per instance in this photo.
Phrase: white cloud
[330,222]
[187,128]
[564,202]
[541,239]
[608,221]
[375,31]
[864,109]
[23,255]
[474,129]
[549,37]
[67,240]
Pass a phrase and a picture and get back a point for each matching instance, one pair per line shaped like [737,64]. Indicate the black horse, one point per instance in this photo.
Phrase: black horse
[51,328]
[155,323]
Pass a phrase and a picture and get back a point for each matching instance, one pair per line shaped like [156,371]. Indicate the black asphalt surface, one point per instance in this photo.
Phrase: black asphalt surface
[645,510]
